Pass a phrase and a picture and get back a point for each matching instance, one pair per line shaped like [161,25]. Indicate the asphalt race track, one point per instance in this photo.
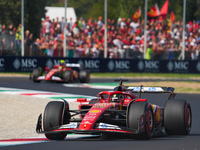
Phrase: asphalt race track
[190,142]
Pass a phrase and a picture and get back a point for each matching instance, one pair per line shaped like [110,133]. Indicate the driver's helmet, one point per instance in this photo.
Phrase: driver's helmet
[62,63]
[116,97]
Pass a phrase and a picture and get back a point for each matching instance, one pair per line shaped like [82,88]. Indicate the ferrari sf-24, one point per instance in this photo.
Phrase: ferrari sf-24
[118,112]
[65,72]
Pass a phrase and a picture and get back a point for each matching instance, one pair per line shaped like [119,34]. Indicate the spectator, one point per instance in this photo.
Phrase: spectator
[134,25]
[62,24]
[125,39]
[75,30]
[149,52]
[47,26]
[4,31]
[70,24]
[18,40]
[50,48]
[0,29]
[100,23]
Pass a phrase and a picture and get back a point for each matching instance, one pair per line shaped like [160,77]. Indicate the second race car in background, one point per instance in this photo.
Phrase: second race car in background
[65,72]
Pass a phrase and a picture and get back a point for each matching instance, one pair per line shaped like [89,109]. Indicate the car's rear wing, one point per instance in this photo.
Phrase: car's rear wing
[73,65]
[143,89]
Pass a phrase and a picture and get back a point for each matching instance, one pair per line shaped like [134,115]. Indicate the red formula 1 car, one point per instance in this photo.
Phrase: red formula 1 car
[118,112]
[61,73]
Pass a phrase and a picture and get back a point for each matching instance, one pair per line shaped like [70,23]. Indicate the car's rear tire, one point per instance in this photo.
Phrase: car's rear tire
[135,111]
[68,76]
[55,114]
[36,73]
[177,117]
[84,76]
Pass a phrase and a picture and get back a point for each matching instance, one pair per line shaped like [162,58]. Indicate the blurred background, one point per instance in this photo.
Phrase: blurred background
[44,24]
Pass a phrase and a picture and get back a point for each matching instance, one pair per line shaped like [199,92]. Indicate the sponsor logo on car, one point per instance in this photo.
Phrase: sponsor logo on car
[69,126]
[103,105]
[108,126]
[95,111]
[104,126]
[152,89]
[136,88]
[87,122]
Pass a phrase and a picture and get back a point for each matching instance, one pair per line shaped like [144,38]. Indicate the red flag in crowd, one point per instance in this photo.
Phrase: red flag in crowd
[137,14]
[154,11]
[164,10]
[172,17]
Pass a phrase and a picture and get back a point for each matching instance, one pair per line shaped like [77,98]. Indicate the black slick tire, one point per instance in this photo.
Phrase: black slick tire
[54,117]
[68,76]
[177,117]
[84,76]
[135,111]
[36,73]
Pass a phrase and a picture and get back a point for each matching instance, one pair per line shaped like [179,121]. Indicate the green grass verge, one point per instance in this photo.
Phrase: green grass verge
[15,73]
[146,75]
[128,75]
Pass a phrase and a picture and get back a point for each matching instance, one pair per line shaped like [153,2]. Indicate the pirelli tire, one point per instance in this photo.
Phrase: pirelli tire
[177,117]
[140,116]
[68,76]
[84,76]
[36,73]
[56,114]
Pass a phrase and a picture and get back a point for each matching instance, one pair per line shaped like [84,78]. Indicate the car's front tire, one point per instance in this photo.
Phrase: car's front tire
[140,115]
[55,114]
[36,73]
[68,76]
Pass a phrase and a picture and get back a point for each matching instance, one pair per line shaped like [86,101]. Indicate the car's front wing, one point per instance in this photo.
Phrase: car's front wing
[98,129]
[53,78]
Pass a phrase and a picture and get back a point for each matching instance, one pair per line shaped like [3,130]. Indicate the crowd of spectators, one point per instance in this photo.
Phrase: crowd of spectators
[125,39]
